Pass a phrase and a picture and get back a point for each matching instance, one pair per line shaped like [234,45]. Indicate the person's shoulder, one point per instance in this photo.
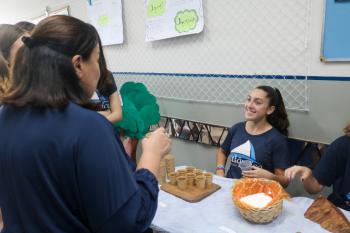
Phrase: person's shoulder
[345,140]
[239,125]
[342,143]
[236,127]
[276,136]
[86,117]
[79,111]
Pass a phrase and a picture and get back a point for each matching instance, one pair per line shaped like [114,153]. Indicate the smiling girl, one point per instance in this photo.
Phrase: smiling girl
[260,139]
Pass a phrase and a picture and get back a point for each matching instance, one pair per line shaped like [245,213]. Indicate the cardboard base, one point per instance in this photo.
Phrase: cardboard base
[191,194]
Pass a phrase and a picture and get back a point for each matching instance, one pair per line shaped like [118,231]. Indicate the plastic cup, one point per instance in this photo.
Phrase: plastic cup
[245,165]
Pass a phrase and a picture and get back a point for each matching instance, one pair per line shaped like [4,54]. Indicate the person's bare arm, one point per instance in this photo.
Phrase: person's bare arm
[220,160]
[311,185]
[278,175]
[115,114]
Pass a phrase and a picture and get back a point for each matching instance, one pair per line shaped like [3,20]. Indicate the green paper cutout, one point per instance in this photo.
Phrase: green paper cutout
[140,110]
[103,20]
[186,20]
[156,8]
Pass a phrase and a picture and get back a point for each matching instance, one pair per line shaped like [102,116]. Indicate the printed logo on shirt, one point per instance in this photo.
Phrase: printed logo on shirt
[244,152]
[105,105]
[94,96]
[104,101]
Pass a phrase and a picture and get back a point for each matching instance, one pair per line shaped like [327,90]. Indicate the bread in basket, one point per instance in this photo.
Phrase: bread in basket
[248,186]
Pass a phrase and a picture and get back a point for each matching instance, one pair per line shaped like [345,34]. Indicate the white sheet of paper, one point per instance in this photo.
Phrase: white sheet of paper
[172,18]
[106,16]
[257,200]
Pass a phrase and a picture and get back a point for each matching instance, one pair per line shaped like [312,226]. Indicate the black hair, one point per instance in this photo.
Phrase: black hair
[106,81]
[105,75]
[279,118]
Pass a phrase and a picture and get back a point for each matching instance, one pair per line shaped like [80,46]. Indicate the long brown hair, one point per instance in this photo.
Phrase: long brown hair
[279,117]
[43,74]
[4,74]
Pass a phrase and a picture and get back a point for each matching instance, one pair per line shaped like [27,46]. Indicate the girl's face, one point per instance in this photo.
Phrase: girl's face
[256,107]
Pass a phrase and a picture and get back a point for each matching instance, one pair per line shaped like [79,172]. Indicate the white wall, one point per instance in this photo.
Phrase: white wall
[17,10]
[328,112]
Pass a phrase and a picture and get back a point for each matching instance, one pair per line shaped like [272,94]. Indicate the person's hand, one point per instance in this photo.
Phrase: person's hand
[220,173]
[257,172]
[156,143]
[302,172]
[347,129]
[130,146]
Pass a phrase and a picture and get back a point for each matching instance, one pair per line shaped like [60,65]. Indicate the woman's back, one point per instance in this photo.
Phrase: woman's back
[62,168]
[56,151]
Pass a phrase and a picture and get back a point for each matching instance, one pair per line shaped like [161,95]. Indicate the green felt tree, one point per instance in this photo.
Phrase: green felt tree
[140,110]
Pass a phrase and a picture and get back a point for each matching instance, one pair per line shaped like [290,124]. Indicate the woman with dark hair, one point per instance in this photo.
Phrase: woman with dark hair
[63,168]
[261,139]
[10,41]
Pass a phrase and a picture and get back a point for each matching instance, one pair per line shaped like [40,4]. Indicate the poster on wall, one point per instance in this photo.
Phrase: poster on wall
[106,16]
[172,18]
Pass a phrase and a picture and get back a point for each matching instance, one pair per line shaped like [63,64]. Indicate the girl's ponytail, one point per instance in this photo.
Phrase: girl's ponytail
[279,118]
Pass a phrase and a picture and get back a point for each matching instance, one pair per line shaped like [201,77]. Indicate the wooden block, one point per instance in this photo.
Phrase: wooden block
[191,194]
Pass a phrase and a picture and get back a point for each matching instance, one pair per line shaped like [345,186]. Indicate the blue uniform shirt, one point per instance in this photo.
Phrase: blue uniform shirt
[105,92]
[268,150]
[334,169]
[65,170]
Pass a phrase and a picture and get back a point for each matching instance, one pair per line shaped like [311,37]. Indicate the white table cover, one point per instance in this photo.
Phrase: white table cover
[217,213]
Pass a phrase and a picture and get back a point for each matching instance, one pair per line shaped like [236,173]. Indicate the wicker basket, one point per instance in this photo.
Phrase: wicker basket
[245,187]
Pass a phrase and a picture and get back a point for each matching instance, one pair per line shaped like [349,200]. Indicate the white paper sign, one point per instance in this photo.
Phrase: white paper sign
[106,16]
[172,18]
